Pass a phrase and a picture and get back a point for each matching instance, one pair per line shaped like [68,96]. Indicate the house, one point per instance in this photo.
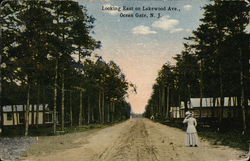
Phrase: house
[14,115]
[175,112]
[210,108]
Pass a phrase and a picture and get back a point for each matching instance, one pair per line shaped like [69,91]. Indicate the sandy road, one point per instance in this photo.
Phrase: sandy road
[139,140]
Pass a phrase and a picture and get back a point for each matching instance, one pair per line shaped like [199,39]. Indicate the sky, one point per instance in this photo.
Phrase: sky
[141,45]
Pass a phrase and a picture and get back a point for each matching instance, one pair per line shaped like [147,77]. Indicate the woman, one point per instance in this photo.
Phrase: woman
[191,138]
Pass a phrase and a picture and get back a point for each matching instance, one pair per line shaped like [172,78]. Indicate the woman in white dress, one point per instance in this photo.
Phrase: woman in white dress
[191,138]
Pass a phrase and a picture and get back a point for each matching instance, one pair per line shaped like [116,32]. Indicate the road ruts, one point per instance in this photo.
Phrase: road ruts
[133,144]
[139,139]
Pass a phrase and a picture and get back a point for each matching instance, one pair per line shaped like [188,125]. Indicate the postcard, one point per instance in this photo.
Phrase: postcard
[125,80]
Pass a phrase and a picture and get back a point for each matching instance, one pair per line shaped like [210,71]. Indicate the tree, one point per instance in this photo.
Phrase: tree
[215,43]
[187,71]
[44,45]
[22,48]
[215,57]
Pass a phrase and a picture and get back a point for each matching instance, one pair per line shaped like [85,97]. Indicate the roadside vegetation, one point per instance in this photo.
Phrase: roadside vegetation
[214,64]
[48,131]
[232,138]
[48,59]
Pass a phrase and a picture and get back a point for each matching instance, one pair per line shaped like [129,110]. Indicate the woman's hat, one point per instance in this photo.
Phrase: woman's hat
[188,113]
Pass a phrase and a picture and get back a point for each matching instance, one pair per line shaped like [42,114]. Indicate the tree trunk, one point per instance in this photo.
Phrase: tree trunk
[37,105]
[186,98]
[92,114]
[163,102]
[99,106]
[32,114]
[113,110]
[27,112]
[201,87]
[17,118]
[88,121]
[80,110]
[62,104]
[168,103]
[108,111]
[221,94]
[103,107]
[44,110]
[189,94]
[230,109]
[214,102]
[55,97]
[159,107]
[70,109]
[13,116]
[243,100]
[185,106]
[179,102]
[235,101]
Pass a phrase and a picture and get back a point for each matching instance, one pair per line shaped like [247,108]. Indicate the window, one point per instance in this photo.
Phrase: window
[9,116]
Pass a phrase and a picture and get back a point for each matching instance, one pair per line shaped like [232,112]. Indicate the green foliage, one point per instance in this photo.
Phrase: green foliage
[213,63]
[46,46]
[232,138]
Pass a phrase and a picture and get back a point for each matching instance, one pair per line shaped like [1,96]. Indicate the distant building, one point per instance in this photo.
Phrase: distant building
[212,102]
[14,115]
[175,112]
[209,108]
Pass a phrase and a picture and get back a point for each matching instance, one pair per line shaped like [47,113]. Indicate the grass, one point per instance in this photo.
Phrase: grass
[229,138]
[232,138]
[71,137]
[48,131]
[50,144]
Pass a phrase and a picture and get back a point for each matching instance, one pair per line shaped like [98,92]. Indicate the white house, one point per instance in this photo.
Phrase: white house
[212,102]
[15,114]
[175,112]
[209,107]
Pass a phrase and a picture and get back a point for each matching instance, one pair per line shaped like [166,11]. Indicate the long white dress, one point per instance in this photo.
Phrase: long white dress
[191,137]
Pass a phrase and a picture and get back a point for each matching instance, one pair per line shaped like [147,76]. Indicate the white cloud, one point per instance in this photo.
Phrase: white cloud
[176,30]
[167,24]
[142,30]
[188,30]
[187,7]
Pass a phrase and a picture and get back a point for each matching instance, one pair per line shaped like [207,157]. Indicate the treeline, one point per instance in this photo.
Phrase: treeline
[213,63]
[47,58]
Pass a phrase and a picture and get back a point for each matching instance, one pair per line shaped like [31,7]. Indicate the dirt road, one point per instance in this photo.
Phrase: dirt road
[139,140]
